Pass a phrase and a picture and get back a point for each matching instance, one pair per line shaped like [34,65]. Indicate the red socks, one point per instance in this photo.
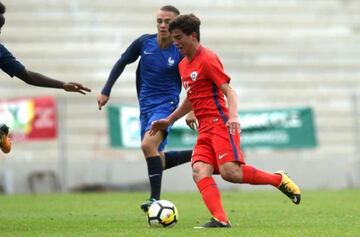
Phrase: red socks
[211,196]
[254,176]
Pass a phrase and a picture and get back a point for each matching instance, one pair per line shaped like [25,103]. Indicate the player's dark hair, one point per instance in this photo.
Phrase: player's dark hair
[2,20]
[2,11]
[188,24]
[2,8]
[169,8]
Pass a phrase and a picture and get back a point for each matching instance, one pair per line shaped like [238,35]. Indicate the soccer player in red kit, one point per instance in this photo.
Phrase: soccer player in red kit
[214,102]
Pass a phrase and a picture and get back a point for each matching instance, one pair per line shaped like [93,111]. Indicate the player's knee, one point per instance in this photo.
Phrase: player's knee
[147,148]
[201,170]
[226,176]
[196,174]
[231,175]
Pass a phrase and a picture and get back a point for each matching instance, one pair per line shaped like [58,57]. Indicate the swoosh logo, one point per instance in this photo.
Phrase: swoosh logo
[147,53]
[222,156]
[153,175]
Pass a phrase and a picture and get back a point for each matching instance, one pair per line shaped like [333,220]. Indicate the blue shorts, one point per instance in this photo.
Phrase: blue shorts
[159,112]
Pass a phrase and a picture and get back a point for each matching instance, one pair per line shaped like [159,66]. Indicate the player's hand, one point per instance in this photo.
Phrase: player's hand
[4,129]
[234,126]
[76,87]
[102,100]
[158,125]
[5,143]
[191,120]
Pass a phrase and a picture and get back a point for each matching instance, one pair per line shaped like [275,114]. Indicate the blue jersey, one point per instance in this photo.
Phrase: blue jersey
[8,62]
[157,76]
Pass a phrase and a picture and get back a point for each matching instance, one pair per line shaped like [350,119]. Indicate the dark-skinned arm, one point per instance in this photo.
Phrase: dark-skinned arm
[40,80]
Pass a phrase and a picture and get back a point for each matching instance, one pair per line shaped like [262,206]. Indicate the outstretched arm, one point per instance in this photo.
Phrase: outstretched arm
[183,109]
[37,79]
[130,55]
[162,124]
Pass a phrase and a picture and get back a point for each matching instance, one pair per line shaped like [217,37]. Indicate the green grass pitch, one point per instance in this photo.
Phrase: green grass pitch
[252,213]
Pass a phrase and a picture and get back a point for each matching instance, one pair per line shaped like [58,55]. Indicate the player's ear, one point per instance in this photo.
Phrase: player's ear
[194,36]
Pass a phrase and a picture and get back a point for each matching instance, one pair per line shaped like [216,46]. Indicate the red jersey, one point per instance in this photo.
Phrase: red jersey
[202,78]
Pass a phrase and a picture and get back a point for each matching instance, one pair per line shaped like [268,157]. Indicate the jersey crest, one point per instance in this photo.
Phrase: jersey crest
[194,75]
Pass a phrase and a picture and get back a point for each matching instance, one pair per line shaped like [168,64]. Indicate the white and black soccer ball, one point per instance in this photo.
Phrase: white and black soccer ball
[162,213]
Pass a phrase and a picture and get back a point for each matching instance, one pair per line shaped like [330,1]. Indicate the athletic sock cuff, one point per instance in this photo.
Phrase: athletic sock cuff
[205,182]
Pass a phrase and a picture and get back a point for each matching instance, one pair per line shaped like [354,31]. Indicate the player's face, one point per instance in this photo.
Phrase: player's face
[185,43]
[163,19]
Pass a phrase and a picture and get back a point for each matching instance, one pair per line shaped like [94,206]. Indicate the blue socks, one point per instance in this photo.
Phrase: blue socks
[155,171]
[175,158]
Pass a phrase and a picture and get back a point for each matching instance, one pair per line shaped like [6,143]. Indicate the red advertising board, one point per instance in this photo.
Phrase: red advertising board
[30,118]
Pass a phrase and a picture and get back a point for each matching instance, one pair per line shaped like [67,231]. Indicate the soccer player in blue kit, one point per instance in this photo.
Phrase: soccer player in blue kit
[12,67]
[158,87]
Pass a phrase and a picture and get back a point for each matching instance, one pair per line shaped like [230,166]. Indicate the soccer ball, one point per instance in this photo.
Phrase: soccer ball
[162,213]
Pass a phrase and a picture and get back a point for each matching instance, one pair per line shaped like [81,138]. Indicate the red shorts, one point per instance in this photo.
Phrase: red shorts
[216,146]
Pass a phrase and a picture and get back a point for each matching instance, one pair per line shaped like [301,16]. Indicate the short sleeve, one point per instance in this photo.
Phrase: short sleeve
[8,62]
[215,71]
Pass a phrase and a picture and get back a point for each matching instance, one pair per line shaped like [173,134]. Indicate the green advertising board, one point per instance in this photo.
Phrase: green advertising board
[277,128]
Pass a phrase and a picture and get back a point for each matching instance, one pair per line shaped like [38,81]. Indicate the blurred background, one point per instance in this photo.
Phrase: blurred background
[280,54]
